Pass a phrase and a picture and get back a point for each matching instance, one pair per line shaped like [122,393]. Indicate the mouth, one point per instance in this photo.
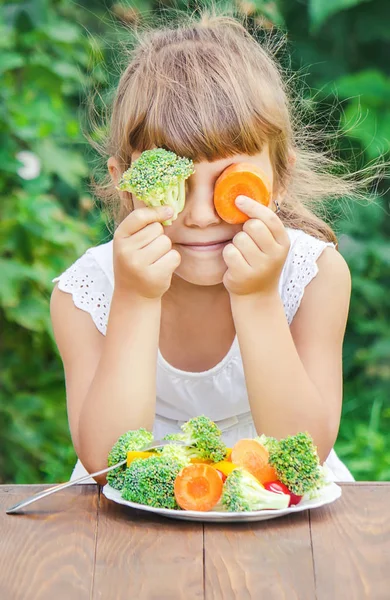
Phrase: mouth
[205,246]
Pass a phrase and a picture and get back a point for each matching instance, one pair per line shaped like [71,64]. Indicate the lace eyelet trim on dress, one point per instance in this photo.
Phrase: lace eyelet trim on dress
[90,289]
[301,270]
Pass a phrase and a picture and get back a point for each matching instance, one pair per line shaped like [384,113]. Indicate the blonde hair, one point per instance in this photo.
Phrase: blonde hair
[206,89]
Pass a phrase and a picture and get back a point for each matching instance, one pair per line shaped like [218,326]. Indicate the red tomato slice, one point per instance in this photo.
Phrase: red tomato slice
[279,488]
[222,475]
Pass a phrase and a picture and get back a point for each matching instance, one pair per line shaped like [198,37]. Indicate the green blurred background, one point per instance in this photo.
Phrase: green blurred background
[53,54]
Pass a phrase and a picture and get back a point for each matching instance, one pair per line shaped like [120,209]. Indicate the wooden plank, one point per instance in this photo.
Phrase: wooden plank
[48,551]
[351,544]
[269,559]
[139,555]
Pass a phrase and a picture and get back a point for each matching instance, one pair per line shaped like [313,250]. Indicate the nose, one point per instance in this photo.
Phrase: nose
[199,210]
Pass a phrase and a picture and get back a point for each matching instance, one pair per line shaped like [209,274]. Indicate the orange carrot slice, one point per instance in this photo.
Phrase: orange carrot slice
[266,474]
[251,455]
[198,487]
[240,179]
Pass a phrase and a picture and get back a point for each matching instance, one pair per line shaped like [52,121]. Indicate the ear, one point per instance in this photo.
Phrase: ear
[114,169]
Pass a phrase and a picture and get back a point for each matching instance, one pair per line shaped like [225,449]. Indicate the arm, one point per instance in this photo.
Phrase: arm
[294,375]
[110,382]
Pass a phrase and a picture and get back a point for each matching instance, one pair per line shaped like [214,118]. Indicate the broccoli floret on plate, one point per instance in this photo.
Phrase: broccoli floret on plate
[179,454]
[151,481]
[297,464]
[157,178]
[131,440]
[243,492]
[202,438]
[268,442]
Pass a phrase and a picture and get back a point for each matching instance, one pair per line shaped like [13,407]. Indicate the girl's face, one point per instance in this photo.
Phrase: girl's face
[199,223]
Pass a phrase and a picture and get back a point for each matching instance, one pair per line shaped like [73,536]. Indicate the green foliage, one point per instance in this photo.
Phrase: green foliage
[51,57]
[47,221]
[345,45]
[320,11]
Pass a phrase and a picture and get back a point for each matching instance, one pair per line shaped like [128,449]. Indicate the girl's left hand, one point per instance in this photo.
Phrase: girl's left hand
[256,256]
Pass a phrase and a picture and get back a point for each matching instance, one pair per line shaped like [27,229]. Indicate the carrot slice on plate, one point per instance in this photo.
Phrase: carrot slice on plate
[251,455]
[266,474]
[198,487]
[239,179]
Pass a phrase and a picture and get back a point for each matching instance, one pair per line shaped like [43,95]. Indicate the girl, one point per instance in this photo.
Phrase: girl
[242,323]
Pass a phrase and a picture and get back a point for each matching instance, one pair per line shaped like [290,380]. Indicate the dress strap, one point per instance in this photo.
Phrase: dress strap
[300,268]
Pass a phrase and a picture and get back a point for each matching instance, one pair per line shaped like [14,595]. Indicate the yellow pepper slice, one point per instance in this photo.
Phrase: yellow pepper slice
[225,467]
[132,454]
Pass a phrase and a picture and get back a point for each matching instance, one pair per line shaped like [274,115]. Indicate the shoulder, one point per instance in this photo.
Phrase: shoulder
[330,290]
[71,326]
[333,267]
[326,299]
[89,282]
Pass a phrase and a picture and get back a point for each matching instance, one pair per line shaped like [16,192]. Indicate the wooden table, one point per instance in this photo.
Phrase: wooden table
[77,544]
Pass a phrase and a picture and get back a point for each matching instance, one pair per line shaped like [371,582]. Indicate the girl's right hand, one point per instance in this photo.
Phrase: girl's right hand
[144,261]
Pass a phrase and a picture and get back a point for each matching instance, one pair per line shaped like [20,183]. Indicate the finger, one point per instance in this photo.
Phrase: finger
[235,261]
[248,248]
[140,217]
[259,211]
[146,235]
[166,264]
[155,250]
[260,235]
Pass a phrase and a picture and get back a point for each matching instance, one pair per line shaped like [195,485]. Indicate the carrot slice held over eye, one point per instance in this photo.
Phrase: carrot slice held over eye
[251,455]
[198,487]
[244,179]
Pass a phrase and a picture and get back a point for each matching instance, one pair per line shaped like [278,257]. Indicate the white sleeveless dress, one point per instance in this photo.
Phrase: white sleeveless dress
[220,393]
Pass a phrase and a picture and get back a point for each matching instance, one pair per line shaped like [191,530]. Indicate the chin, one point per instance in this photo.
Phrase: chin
[201,276]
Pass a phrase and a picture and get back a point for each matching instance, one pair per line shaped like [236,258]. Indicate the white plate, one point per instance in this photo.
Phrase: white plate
[326,495]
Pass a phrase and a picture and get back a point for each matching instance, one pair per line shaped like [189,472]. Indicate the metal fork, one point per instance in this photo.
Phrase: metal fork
[16,508]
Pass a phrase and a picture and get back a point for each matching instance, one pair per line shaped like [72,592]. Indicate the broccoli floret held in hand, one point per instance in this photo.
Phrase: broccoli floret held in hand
[203,438]
[151,481]
[131,440]
[297,464]
[243,492]
[157,178]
